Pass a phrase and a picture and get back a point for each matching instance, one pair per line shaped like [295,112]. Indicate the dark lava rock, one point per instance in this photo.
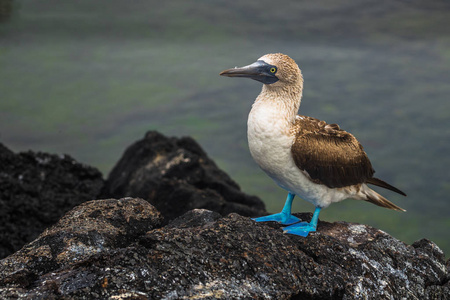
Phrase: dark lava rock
[36,189]
[93,227]
[175,175]
[102,250]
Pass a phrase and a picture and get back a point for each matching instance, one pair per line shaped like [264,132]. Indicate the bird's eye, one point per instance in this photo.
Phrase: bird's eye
[273,70]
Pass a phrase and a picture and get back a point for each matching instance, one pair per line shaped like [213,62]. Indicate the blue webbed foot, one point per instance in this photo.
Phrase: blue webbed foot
[280,218]
[284,217]
[301,229]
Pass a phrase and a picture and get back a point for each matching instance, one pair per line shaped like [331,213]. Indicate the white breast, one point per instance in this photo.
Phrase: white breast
[268,142]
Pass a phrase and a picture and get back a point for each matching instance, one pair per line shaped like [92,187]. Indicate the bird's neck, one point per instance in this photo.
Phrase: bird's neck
[279,102]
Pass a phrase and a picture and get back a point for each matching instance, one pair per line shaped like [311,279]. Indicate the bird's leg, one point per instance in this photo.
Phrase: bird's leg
[284,217]
[304,228]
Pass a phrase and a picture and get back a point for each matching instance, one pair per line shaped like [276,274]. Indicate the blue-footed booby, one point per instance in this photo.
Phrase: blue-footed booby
[319,162]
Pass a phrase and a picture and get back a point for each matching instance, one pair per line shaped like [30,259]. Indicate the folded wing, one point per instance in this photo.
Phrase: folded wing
[329,155]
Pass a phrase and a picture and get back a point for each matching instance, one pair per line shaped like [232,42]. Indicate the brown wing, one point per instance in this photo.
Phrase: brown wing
[329,155]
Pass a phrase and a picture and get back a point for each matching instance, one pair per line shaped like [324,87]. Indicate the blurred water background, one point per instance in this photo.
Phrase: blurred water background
[89,77]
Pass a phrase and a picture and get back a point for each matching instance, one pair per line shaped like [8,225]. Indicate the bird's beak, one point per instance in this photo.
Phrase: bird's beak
[259,71]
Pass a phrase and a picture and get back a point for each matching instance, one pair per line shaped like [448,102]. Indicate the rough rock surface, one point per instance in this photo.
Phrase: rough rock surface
[117,249]
[36,189]
[176,175]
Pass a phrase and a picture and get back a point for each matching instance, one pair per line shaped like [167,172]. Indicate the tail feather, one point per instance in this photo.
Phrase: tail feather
[383,184]
[375,198]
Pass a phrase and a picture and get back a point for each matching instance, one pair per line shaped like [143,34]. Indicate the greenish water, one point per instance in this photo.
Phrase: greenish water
[89,78]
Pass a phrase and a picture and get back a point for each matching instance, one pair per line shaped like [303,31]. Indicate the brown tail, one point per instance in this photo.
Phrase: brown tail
[381,183]
[375,198]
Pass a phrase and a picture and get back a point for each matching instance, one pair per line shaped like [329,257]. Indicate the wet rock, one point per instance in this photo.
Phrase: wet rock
[204,255]
[93,227]
[194,218]
[175,175]
[36,189]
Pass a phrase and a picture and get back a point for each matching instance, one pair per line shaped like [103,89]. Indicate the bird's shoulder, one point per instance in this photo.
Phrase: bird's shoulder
[308,125]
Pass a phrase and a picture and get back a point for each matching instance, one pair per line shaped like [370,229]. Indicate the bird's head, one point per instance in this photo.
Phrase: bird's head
[273,69]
